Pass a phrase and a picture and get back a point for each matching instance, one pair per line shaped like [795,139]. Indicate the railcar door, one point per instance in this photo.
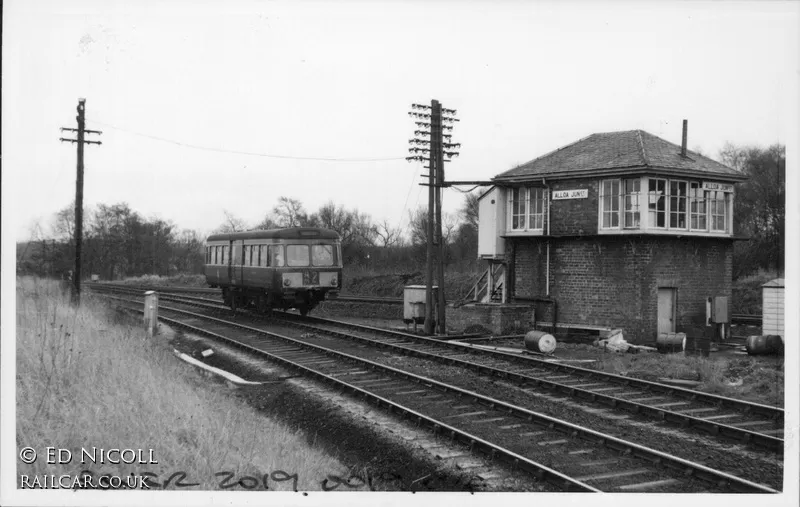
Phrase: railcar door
[237,263]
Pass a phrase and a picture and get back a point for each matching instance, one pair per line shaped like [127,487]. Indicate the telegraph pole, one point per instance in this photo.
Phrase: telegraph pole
[432,191]
[435,159]
[436,155]
[80,141]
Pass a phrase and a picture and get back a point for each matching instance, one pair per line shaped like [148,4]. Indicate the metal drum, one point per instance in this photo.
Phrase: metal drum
[539,341]
[671,342]
[769,344]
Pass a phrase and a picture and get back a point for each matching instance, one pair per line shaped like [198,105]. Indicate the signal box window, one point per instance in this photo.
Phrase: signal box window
[697,206]
[717,202]
[297,255]
[518,203]
[322,255]
[609,197]
[677,204]
[632,191]
[657,202]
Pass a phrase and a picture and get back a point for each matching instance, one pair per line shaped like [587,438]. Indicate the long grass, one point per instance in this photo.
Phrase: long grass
[757,380]
[387,281]
[84,380]
[181,280]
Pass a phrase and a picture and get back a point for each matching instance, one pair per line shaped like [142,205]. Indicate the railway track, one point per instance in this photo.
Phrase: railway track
[217,292]
[737,319]
[568,456]
[756,424]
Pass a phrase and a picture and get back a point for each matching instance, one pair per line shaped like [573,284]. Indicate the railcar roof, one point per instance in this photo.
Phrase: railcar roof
[288,233]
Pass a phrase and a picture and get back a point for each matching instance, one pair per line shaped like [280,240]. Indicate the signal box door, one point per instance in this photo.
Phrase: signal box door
[666,310]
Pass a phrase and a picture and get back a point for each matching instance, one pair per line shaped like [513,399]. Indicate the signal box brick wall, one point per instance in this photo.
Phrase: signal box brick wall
[497,319]
[613,281]
[575,216]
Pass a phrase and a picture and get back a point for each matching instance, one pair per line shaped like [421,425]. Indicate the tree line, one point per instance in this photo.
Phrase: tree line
[118,242]
[759,208]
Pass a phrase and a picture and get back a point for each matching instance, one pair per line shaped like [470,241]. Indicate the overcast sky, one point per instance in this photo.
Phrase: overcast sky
[301,81]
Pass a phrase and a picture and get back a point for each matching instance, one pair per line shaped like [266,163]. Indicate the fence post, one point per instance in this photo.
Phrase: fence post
[151,313]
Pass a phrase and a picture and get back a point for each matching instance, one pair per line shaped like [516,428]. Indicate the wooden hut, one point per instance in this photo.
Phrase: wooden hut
[772,308]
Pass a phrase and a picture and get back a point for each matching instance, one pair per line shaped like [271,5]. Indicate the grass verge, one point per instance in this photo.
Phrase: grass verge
[181,280]
[87,378]
[760,380]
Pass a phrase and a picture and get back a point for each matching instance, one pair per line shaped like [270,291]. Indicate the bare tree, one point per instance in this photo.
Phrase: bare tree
[64,223]
[469,209]
[389,236]
[232,223]
[336,218]
[267,223]
[759,207]
[418,226]
[290,213]
[449,226]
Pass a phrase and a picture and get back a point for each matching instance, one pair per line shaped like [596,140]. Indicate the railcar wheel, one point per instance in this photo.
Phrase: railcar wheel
[303,310]
[262,305]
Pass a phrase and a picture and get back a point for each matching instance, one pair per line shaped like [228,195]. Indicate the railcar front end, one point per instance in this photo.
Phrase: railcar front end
[281,268]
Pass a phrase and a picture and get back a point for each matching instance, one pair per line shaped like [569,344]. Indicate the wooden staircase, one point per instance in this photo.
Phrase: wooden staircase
[490,287]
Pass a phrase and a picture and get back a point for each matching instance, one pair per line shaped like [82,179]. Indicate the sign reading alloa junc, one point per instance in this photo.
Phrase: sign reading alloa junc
[722,187]
[570,194]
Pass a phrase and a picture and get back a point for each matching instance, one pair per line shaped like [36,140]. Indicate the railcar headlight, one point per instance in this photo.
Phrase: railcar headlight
[333,281]
[287,282]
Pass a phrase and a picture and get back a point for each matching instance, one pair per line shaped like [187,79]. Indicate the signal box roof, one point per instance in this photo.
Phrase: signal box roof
[627,152]
[288,233]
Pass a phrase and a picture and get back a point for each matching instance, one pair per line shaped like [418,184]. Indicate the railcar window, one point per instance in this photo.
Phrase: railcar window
[225,254]
[263,256]
[246,256]
[322,255]
[297,255]
[276,255]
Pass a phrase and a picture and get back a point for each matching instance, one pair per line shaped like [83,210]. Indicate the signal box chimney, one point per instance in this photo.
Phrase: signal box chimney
[685,131]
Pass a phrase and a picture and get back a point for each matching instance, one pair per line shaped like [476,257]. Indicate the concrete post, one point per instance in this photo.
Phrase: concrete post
[151,313]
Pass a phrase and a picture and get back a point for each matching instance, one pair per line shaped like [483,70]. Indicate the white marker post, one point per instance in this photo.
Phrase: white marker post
[151,313]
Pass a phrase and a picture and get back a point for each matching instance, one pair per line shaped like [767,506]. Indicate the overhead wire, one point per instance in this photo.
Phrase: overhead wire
[238,152]
[408,194]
